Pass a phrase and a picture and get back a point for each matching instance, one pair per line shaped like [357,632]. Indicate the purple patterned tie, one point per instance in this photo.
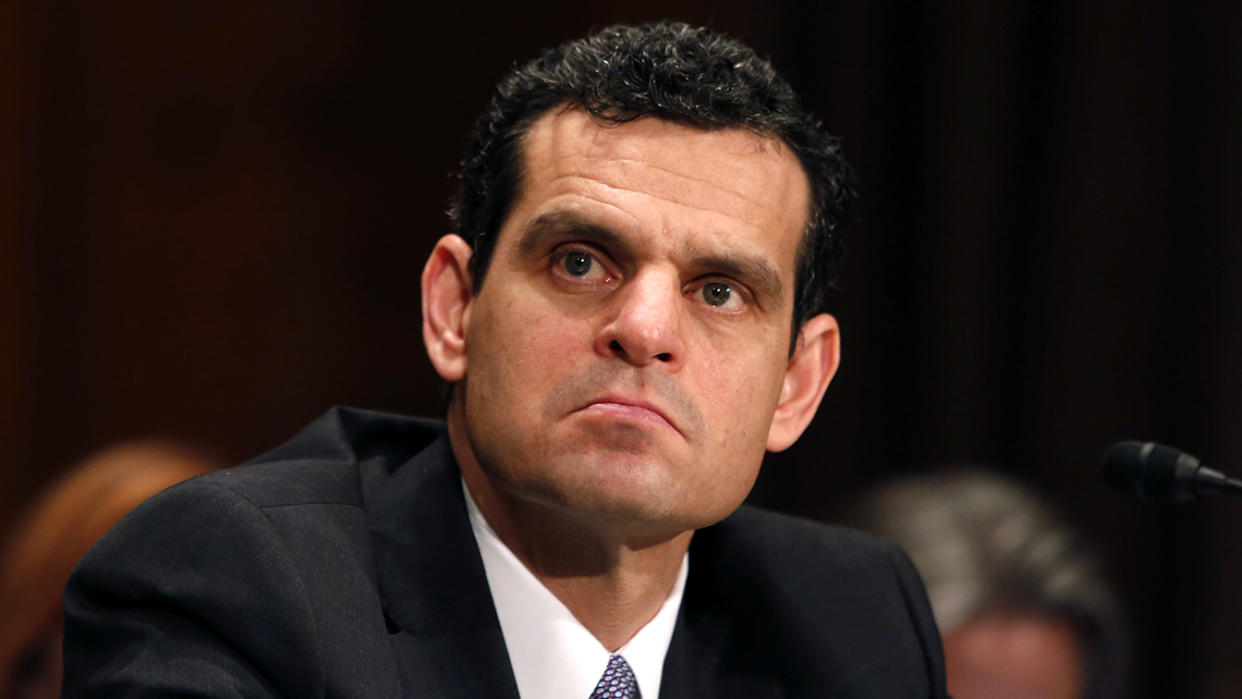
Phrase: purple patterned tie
[618,681]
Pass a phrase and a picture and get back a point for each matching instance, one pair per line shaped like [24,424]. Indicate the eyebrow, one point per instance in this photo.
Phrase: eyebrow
[556,225]
[755,271]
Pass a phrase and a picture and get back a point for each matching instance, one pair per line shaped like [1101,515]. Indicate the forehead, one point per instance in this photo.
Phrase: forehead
[729,184]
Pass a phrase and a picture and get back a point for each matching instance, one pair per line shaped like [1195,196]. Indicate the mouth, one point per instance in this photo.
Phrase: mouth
[629,409]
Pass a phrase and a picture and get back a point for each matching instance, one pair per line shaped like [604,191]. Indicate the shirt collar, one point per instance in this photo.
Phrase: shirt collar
[553,655]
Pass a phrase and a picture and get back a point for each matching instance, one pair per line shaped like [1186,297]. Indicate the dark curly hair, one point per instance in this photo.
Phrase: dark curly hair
[688,75]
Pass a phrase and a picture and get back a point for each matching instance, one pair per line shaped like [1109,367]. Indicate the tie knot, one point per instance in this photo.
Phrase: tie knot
[618,681]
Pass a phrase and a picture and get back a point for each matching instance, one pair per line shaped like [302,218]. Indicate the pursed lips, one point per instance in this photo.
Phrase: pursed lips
[630,408]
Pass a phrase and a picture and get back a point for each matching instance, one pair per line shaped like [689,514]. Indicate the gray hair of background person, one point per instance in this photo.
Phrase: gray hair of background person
[984,543]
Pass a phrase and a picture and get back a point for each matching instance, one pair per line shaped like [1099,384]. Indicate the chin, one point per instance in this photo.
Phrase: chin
[662,511]
[619,487]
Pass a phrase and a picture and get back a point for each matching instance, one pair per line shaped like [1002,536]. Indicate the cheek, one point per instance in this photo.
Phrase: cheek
[738,398]
[740,388]
[522,349]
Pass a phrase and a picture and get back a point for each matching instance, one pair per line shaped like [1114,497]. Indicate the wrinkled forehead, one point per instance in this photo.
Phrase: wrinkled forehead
[731,172]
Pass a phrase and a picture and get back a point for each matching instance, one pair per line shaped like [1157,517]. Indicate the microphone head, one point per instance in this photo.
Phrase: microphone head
[1151,471]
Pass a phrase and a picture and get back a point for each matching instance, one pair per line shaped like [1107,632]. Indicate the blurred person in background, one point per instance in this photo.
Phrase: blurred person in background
[1021,603]
[47,542]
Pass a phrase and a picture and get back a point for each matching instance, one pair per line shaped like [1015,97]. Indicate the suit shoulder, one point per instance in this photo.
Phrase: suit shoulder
[274,484]
[320,464]
[837,608]
[774,537]
[805,568]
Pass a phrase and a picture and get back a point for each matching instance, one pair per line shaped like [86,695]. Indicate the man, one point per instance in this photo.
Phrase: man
[632,314]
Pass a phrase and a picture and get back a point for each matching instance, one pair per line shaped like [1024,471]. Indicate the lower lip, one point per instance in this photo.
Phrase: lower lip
[626,412]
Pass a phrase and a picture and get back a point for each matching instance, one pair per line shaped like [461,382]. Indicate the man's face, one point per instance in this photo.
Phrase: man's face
[629,347]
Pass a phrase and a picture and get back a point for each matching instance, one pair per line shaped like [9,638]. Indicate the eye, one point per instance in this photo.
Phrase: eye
[578,264]
[582,264]
[721,295]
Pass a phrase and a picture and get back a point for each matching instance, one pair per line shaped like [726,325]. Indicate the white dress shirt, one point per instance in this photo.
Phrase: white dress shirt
[553,655]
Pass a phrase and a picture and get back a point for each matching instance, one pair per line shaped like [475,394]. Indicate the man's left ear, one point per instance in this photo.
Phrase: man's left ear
[807,375]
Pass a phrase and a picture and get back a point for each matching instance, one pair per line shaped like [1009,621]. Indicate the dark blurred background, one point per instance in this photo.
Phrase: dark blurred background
[215,215]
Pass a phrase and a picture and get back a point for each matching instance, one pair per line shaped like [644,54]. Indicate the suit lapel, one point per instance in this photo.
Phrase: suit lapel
[445,636]
[444,632]
[710,655]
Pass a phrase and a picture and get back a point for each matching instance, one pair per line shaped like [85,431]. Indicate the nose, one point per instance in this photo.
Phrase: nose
[645,327]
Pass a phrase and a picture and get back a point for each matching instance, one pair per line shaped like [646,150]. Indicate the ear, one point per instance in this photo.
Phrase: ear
[811,367]
[447,291]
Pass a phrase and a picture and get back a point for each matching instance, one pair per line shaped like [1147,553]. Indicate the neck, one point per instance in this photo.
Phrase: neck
[612,578]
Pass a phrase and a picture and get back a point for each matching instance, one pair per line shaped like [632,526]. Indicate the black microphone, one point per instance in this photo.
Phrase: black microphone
[1156,472]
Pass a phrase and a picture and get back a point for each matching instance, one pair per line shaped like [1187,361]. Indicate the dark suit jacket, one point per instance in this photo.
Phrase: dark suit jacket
[343,564]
